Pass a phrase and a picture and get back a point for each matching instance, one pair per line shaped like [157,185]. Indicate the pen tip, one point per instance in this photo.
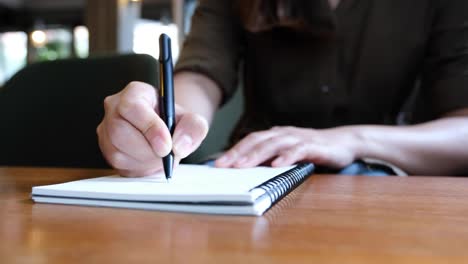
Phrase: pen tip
[168,164]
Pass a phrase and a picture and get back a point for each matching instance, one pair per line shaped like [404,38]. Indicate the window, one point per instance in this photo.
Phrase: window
[146,37]
[13,47]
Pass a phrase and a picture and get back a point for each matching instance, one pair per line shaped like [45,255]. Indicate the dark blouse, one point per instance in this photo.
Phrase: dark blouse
[361,72]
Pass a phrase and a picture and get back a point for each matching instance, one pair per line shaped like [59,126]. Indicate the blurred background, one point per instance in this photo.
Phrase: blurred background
[36,31]
[44,30]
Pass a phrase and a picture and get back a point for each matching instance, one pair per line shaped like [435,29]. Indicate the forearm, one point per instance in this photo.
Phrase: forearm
[197,93]
[439,147]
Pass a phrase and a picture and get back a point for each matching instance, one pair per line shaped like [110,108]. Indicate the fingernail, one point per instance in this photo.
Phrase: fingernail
[183,145]
[161,147]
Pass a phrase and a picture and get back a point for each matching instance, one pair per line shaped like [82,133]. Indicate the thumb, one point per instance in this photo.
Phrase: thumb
[189,132]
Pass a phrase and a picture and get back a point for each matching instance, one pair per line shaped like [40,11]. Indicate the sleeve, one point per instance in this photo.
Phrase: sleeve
[213,45]
[444,85]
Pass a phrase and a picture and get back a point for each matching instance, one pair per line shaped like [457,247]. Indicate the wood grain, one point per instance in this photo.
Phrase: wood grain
[328,219]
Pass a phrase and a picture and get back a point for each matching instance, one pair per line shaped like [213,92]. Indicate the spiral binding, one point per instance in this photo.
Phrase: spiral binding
[279,186]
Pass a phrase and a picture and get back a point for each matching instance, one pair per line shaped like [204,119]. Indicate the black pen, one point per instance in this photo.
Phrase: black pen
[166,95]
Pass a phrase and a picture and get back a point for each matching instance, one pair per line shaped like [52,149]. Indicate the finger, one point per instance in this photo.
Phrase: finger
[137,106]
[114,156]
[127,139]
[188,134]
[141,90]
[140,173]
[238,152]
[266,150]
[302,152]
[179,112]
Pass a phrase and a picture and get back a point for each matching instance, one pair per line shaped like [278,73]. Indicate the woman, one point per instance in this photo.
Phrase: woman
[324,82]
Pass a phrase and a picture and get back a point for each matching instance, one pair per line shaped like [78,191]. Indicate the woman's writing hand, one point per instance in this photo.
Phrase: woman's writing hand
[133,138]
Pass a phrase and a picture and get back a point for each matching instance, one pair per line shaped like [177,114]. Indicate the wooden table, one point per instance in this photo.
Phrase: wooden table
[328,219]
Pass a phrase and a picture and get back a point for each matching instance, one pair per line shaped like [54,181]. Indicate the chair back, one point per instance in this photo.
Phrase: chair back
[49,111]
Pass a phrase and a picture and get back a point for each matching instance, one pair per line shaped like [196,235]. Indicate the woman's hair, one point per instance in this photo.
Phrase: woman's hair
[302,15]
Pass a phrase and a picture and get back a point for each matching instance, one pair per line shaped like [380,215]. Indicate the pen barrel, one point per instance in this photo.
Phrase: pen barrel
[170,121]
[166,94]
[166,85]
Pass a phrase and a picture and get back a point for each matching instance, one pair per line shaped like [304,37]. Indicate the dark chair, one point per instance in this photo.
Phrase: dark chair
[49,111]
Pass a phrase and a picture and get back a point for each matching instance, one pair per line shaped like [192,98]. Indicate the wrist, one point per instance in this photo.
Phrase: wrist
[360,143]
[197,94]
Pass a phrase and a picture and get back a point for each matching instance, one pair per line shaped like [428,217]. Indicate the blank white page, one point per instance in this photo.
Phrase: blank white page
[190,183]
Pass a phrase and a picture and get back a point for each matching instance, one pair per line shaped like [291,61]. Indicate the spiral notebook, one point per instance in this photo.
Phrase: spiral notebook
[193,188]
